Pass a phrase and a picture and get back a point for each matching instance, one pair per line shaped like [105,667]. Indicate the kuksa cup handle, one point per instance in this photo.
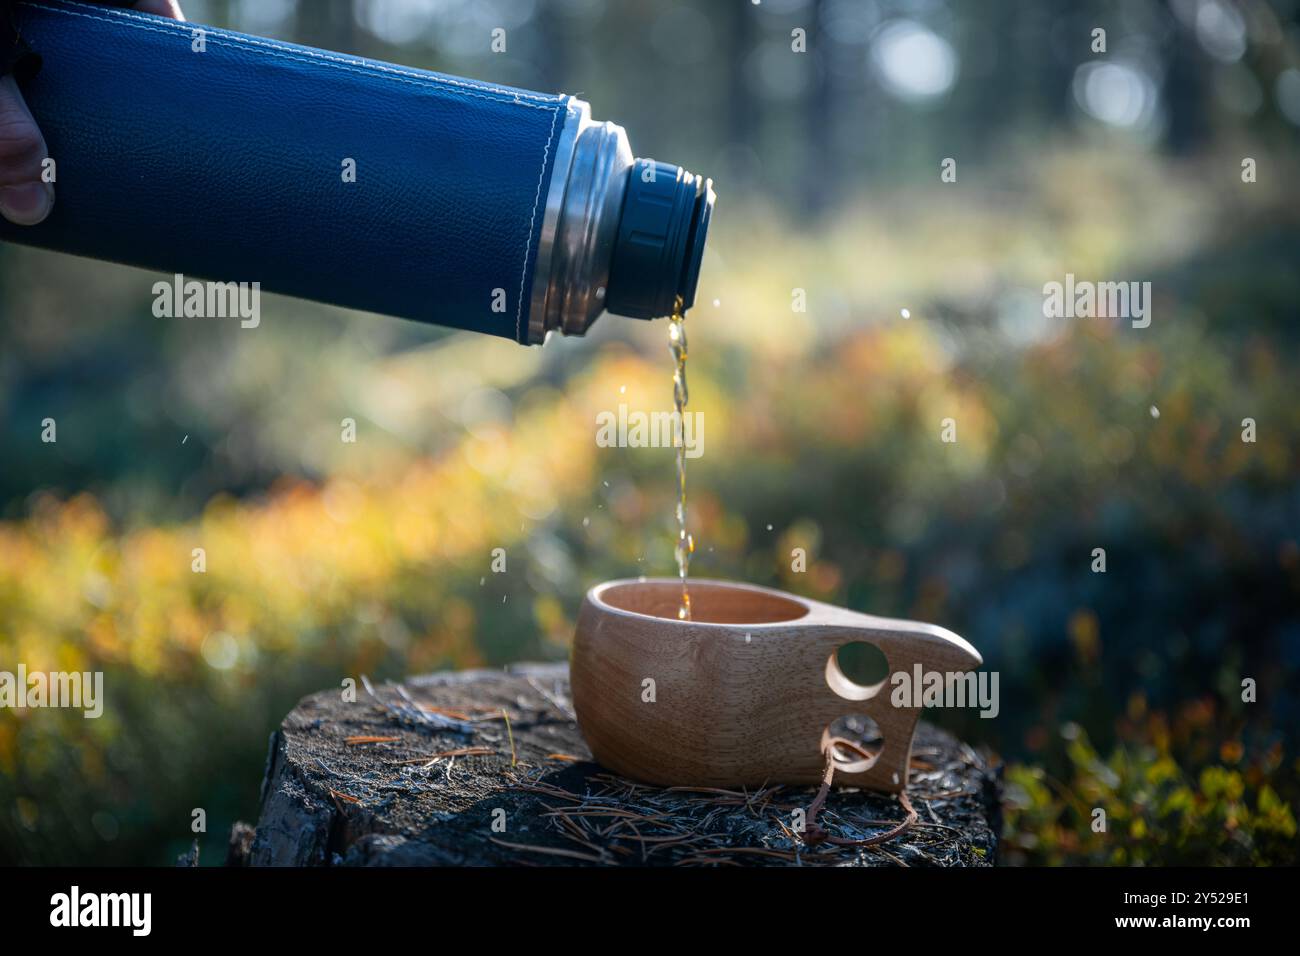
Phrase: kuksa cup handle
[911,649]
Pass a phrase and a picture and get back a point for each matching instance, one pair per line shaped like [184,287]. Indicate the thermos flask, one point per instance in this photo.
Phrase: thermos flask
[197,151]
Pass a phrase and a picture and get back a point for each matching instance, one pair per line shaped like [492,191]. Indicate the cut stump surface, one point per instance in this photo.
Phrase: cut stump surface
[430,773]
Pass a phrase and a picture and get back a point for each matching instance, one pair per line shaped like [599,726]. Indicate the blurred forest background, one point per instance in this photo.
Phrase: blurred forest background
[924,301]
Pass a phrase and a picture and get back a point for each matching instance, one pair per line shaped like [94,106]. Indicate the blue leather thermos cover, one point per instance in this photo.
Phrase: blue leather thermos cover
[228,164]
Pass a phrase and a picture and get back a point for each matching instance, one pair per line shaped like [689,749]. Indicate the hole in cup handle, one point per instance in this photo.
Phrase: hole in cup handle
[905,644]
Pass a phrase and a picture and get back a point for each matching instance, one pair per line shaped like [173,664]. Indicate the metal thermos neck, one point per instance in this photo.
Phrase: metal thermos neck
[618,234]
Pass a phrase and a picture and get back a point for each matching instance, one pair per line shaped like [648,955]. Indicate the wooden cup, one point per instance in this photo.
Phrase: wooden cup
[745,692]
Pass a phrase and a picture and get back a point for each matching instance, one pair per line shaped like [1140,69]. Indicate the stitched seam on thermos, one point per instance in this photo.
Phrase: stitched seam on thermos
[540,101]
[554,104]
[532,224]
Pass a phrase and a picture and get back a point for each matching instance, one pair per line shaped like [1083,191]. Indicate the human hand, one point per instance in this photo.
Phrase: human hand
[25,198]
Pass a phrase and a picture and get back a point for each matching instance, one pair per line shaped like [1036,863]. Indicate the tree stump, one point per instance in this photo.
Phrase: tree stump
[489,768]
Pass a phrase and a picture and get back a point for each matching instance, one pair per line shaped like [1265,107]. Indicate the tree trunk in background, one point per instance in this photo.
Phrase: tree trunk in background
[1187,93]
[550,50]
[743,125]
[328,24]
[821,151]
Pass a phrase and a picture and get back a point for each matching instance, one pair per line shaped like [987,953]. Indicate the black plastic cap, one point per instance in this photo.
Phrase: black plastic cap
[660,243]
